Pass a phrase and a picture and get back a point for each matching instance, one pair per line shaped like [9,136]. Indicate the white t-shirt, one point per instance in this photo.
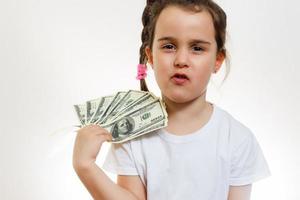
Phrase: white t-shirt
[198,166]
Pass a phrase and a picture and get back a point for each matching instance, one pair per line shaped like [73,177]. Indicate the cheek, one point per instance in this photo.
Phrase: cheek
[160,68]
[159,75]
[204,70]
[162,59]
[208,63]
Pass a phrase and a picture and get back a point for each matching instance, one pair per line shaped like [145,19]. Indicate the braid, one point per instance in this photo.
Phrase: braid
[145,39]
[145,35]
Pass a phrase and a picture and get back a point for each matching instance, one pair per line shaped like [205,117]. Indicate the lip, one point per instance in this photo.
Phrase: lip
[179,78]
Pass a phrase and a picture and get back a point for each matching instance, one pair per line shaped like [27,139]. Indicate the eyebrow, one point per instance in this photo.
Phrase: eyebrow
[191,41]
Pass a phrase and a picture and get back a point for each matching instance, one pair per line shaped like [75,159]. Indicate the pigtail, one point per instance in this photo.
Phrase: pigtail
[145,40]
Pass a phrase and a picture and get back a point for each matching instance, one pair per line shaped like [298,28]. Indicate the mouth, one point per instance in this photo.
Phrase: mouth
[179,78]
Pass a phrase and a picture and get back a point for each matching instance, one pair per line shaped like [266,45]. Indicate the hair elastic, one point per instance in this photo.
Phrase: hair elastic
[142,71]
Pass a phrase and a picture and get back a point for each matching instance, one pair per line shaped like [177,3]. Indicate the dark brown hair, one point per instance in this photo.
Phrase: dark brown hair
[155,7]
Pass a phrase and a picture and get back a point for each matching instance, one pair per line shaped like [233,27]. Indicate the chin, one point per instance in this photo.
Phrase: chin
[183,96]
[179,97]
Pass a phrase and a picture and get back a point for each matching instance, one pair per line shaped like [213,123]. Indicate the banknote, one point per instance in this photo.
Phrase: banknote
[125,114]
[129,98]
[134,122]
[139,103]
[101,108]
[117,98]
[152,128]
[91,108]
[81,112]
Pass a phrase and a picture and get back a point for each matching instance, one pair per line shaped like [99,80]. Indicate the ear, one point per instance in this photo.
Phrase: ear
[149,55]
[219,61]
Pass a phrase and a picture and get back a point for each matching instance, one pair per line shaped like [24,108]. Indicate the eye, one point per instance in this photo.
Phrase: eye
[168,46]
[197,48]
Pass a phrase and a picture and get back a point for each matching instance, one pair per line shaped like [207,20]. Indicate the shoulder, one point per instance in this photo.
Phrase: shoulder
[246,158]
[236,131]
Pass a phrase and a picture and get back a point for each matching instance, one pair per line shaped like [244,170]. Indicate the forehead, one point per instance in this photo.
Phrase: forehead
[183,24]
[122,121]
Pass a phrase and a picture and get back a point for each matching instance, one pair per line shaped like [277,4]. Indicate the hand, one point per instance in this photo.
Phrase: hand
[87,145]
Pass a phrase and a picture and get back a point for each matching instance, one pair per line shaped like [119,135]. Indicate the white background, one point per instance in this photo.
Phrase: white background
[54,54]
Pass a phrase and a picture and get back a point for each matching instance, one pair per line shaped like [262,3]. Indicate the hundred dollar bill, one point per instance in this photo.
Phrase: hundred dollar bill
[117,98]
[154,127]
[81,112]
[103,105]
[150,129]
[91,108]
[136,121]
[126,115]
[141,102]
[131,97]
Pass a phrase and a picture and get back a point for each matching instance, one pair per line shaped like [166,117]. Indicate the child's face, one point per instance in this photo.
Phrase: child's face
[178,53]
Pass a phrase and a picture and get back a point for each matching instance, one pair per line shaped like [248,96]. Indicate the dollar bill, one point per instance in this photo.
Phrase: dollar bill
[137,104]
[136,121]
[126,114]
[101,108]
[117,98]
[152,128]
[91,108]
[130,98]
[81,112]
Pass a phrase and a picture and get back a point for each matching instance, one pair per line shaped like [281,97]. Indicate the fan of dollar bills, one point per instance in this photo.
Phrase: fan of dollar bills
[126,114]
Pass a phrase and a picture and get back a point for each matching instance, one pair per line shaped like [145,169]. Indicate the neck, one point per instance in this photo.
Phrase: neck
[187,110]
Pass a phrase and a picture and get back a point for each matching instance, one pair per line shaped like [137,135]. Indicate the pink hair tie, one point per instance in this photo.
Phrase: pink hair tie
[142,71]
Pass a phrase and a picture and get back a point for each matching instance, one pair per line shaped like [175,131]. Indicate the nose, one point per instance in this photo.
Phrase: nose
[181,59]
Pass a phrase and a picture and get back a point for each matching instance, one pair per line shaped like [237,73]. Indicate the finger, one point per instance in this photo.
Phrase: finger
[93,126]
[105,137]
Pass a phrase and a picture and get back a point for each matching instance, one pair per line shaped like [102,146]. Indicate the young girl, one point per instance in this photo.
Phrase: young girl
[204,153]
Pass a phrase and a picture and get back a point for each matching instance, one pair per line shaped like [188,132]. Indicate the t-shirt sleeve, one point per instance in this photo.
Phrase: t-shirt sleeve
[248,163]
[119,160]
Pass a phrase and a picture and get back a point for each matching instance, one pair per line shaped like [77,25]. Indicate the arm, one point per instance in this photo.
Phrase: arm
[133,184]
[101,187]
[239,192]
[87,145]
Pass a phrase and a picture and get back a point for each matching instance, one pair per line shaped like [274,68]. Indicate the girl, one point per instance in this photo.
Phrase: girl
[204,153]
